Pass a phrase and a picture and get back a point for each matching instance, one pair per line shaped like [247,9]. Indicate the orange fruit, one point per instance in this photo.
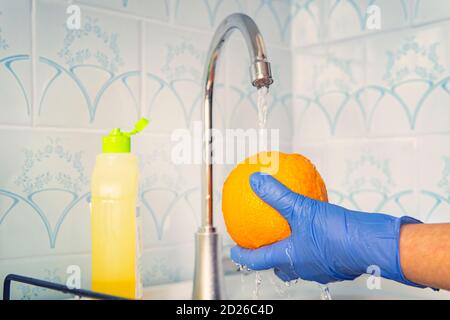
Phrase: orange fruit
[250,221]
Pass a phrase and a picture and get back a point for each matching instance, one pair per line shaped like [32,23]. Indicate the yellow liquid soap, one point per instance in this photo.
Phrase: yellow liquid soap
[115,233]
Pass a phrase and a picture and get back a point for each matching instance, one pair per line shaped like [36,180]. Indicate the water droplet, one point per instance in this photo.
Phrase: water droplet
[325,292]
[258,281]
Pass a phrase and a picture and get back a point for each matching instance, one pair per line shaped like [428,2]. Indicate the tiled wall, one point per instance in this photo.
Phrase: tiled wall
[61,90]
[370,108]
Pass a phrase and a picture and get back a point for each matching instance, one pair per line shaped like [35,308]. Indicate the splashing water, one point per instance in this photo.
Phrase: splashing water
[325,292]
[282,291]
[262,106]
[244,273]
[258,281]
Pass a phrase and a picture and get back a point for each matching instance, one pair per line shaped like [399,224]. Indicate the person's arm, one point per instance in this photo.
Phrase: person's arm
[330,243]
[425,254]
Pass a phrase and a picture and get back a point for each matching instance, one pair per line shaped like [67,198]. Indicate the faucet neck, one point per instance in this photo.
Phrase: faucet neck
[260,76]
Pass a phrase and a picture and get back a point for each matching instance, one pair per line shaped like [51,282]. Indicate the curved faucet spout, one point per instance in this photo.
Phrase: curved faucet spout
[208,276]
[260,75]
[260,72]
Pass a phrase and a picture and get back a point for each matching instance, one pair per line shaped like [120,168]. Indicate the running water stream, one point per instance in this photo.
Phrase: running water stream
[325,292]
[262,118]
[262,106]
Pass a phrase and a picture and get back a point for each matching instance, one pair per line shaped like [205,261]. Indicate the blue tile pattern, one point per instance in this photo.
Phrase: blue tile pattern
[370,108]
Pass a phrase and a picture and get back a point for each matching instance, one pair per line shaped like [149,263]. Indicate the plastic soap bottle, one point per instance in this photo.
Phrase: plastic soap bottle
[115,230]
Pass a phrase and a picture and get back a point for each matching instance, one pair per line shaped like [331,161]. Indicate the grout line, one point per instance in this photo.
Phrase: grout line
[130,16]
[365,66]
[87,254]
[369,35]
[46,129]
[45,256]
[119,13]
[429,23]
[172,15]
[294,49]
[143,44]
[331,139]
[410,12]
[171,246]
[371,139]
[226,55]
[417,179]
[323,21]
[170,22]
[51,129]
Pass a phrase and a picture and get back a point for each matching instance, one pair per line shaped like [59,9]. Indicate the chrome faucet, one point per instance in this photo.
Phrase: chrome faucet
[208,276]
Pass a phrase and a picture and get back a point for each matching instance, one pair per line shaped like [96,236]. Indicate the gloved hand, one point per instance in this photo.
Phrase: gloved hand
[328,243]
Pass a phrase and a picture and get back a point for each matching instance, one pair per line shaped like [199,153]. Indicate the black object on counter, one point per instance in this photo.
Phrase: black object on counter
[52,286]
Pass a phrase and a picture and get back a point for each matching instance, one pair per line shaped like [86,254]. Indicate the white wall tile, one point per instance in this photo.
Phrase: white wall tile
[407,76]
[88,77]
[33,198]
[394,13]
[15,62]
[274,18]
[169,207]
[168,264]
[348,18]
[329,101]
[434,182]
[175,65]
[345,18]
[326,92]
[44,189]
[307,17]
[156,9]
[374,176]
[205,15]
[429,10]
[53,269]
[242,97]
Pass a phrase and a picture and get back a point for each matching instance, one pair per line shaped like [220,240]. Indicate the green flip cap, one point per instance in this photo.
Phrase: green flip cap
[120,142]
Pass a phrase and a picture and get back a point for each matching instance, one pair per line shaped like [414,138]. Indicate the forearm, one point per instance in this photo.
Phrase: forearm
[425,254]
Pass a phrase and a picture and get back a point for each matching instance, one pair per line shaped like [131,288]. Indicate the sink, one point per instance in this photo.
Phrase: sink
[242,287]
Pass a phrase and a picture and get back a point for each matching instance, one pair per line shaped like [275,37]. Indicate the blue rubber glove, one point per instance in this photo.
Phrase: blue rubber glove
[328,243]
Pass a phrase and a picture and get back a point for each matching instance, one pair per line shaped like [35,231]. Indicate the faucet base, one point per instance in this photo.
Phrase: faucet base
[208,277]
